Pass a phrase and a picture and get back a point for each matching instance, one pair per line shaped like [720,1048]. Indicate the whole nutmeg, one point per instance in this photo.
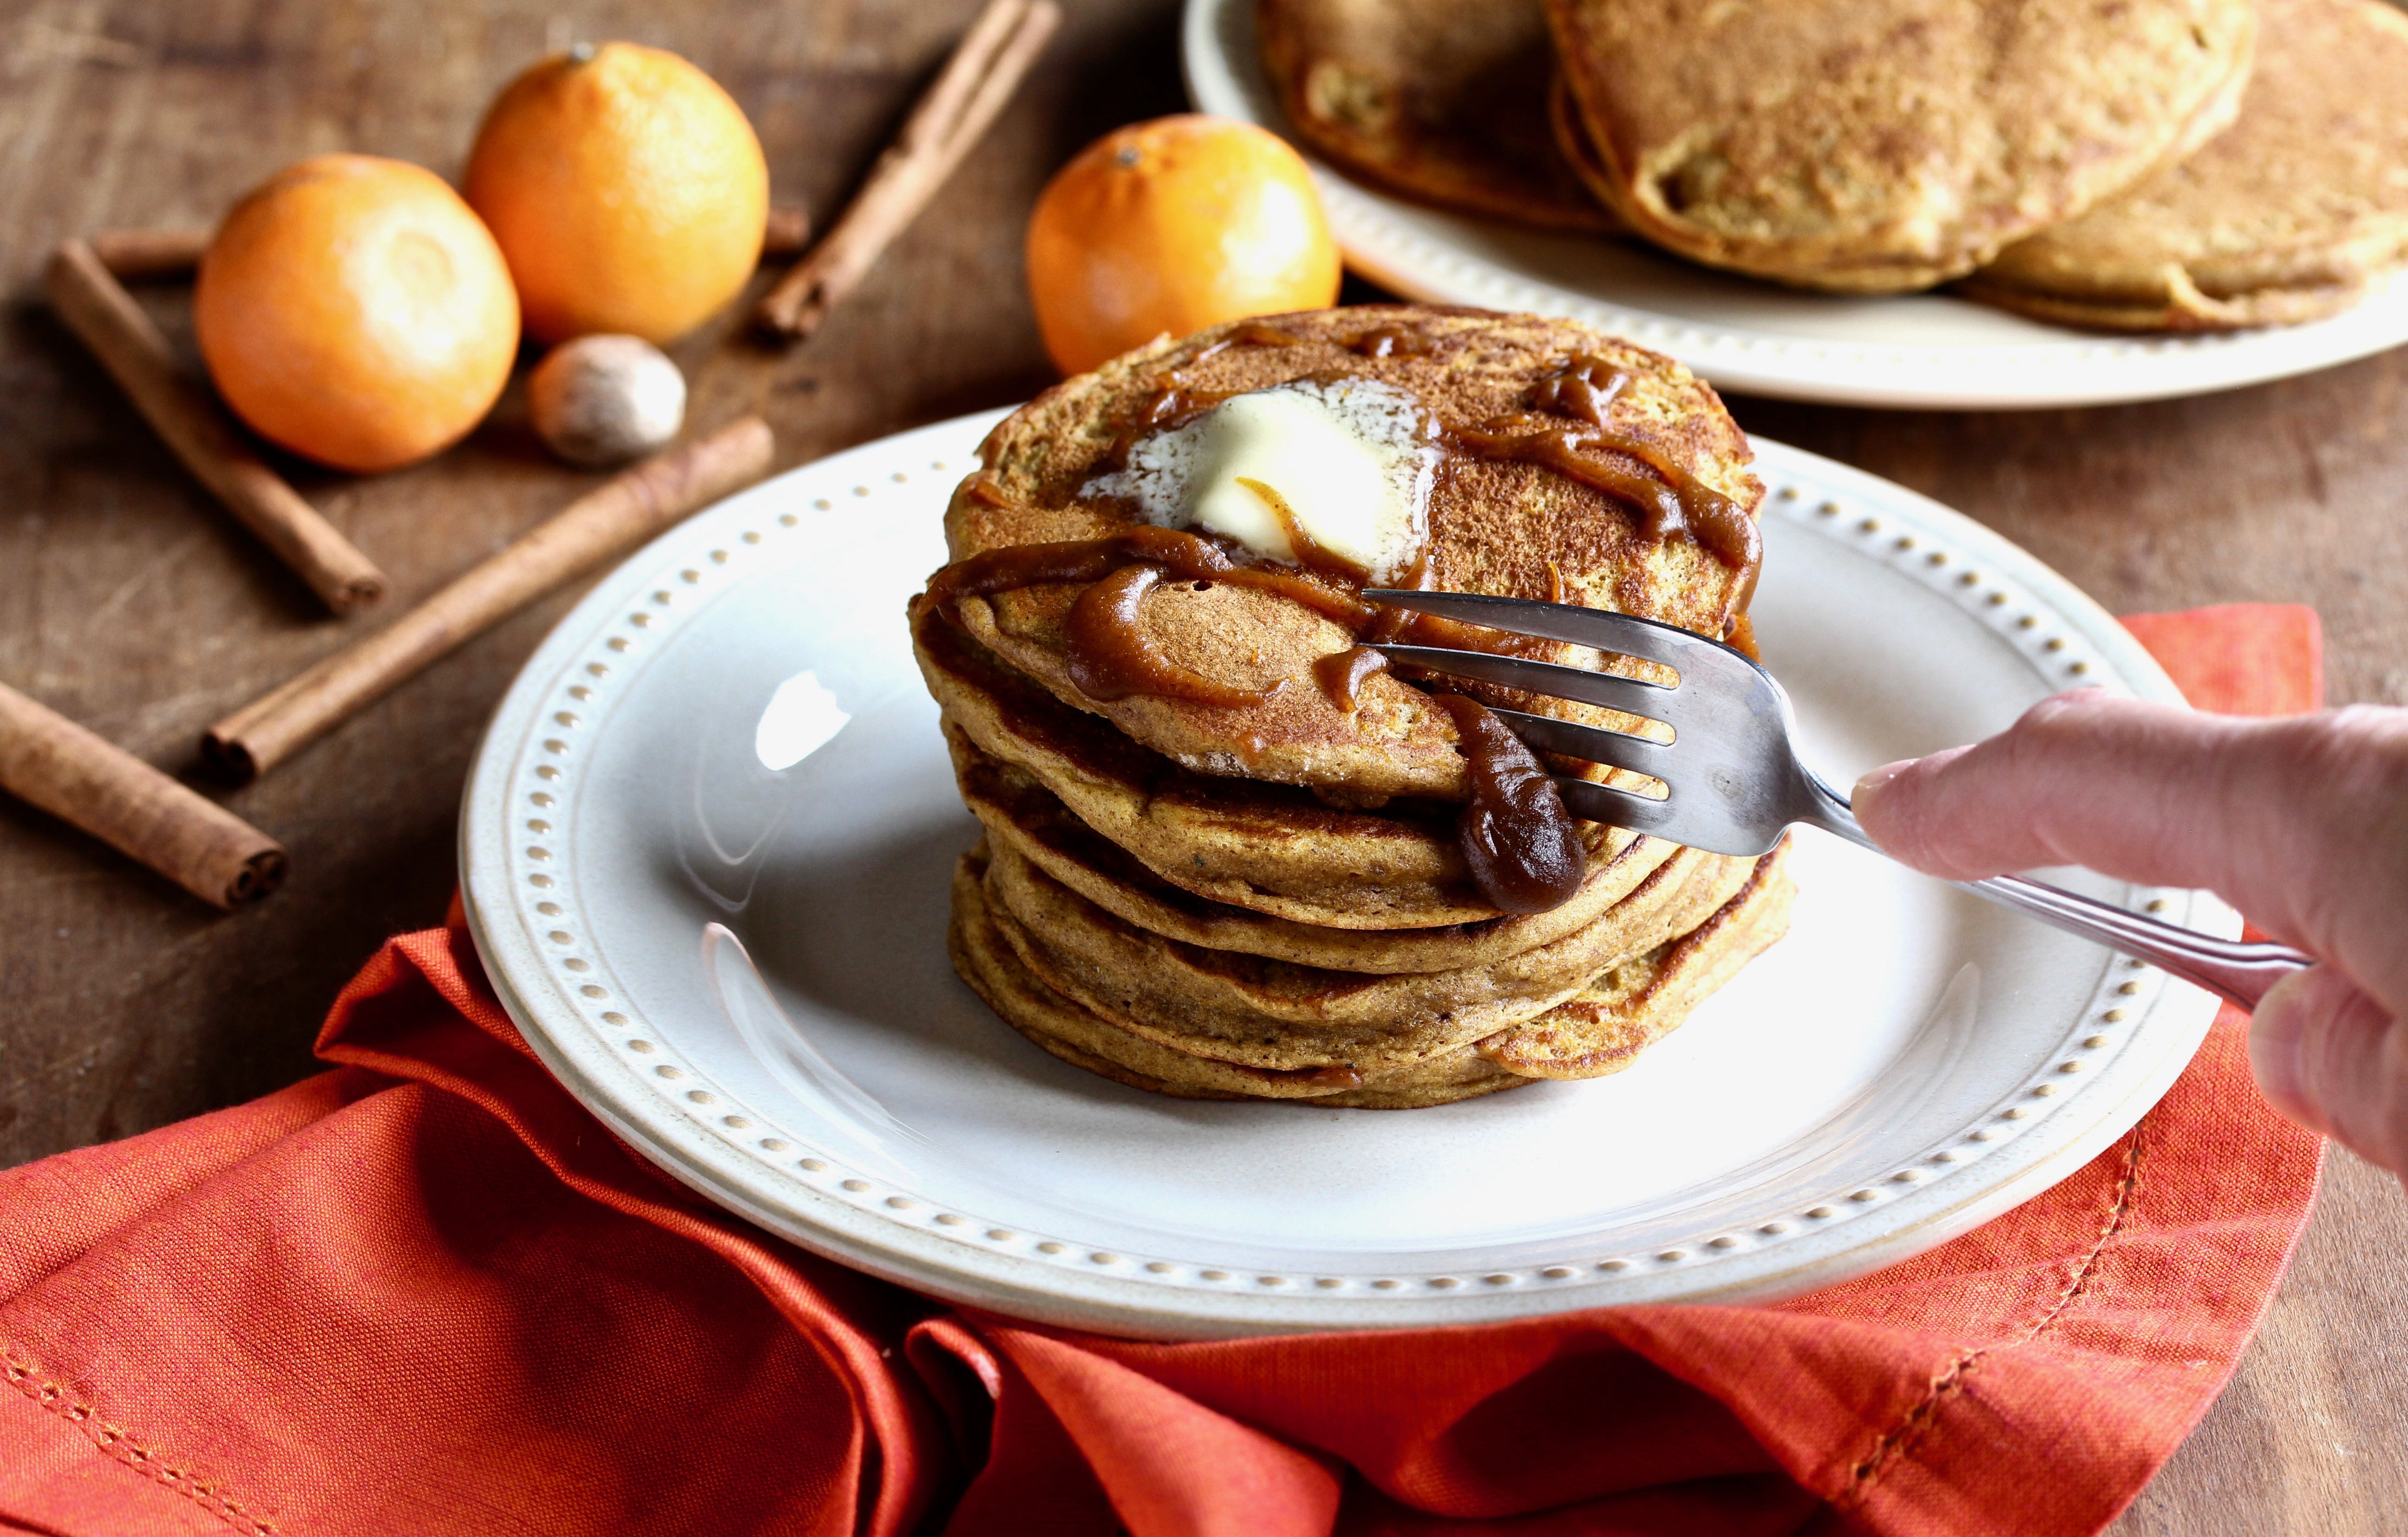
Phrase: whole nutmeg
[604,400]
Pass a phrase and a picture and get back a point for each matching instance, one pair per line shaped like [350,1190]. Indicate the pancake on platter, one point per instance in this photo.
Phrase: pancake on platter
[1229,852]
[1267,1014]
[1642,1000]
[1435,99]
[1465,405]
[1020,814]
[1573,141]
[1599,1031]
[1883,146]
[2284,217]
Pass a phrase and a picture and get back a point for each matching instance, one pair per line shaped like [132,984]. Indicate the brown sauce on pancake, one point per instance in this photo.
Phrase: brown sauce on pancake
[1340,673]
[1110,656]
[1515,834]
[1668,498]
[1309,552]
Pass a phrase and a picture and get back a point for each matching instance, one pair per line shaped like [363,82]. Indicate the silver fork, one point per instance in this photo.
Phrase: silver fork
[1733,771]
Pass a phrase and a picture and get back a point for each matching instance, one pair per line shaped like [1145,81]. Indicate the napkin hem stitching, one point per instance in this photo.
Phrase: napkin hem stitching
[119,1446]
[1917,1422]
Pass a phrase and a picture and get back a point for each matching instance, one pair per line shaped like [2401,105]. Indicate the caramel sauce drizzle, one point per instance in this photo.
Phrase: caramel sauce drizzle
[1340,674]
[1669,499]
[1514,833]
[1110,656]
[1309,553]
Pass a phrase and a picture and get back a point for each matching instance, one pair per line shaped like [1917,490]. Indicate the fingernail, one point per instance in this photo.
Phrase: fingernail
[1873,783]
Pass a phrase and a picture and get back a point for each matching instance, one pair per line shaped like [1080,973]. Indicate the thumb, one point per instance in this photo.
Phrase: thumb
[2330,1058]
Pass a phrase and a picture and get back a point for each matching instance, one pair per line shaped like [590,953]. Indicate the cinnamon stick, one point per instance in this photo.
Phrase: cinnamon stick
[143,255]
[628,508]
[786,234]
[139,255]
[49,761]
[949,119]
[136,354]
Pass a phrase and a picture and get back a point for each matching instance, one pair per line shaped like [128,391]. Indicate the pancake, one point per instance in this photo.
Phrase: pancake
[1022,815]
[1883,146]
[1272,848]
[1431,98]
[1642,1000]
[1639,1001]
[1275,1014]
[2285,216]
[1573,141]
[1499,525]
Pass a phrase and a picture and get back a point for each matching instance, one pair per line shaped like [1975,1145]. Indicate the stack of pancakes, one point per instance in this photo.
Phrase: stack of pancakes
[1271,900]
[2133,164]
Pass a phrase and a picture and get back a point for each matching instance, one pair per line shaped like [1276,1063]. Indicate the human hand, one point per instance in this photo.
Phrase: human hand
[2299,822]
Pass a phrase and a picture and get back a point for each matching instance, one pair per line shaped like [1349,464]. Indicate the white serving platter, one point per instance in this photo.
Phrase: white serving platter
[1922,351]
[705,852]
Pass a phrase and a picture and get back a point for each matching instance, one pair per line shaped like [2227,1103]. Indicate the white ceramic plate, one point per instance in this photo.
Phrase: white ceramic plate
[706,848]
[1920,350]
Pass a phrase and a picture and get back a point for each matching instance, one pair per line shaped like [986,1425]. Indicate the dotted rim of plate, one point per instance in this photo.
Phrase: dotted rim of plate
[577,697]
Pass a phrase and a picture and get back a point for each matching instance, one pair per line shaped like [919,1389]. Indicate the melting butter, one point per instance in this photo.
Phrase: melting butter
[1350,462]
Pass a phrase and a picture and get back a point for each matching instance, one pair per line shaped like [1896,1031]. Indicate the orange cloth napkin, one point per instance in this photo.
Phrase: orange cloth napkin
[426,1292]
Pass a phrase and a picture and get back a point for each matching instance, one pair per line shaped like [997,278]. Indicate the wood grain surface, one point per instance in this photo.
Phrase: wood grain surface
[130,602]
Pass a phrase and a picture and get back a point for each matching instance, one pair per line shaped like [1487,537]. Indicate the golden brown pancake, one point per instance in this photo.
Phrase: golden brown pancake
[1276,1015]
[1882,146]
[1435,99]
[1641,1000]
[1573,141]
[1496,526]
[1020,814]
[1273,848]
[1200,891]
[2284,217]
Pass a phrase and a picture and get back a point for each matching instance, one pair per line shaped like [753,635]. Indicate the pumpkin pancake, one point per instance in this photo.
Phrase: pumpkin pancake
[1435,99]
[1573,141]
[1022,815]
[1643,1000]
[2284,217]
[1273,848]
[1055,471]
[1267,1013]
[1883,146]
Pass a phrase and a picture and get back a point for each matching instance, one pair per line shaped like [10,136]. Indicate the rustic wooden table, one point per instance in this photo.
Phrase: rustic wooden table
[130,602]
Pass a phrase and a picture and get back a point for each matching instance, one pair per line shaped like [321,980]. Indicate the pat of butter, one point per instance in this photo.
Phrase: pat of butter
[1349,460]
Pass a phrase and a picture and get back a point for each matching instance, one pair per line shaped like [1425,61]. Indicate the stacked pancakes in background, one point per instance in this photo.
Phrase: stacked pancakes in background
[2129,164]
[1228,854]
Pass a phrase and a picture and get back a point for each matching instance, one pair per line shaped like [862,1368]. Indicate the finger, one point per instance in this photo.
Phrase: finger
[2302,823]
[2332,1059]
[2132,789]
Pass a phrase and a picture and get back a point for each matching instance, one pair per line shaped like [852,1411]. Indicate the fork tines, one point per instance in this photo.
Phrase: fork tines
[1606,631]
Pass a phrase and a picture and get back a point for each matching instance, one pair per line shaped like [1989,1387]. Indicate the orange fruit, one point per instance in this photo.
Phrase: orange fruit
[354,311]
[626,189]
[1173,226]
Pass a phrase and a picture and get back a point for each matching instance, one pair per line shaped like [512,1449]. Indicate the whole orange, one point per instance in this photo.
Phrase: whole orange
[1173,226]
[626,189]
[354,311]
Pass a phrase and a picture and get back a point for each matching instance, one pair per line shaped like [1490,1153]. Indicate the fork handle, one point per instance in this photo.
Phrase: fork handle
[2240,970]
